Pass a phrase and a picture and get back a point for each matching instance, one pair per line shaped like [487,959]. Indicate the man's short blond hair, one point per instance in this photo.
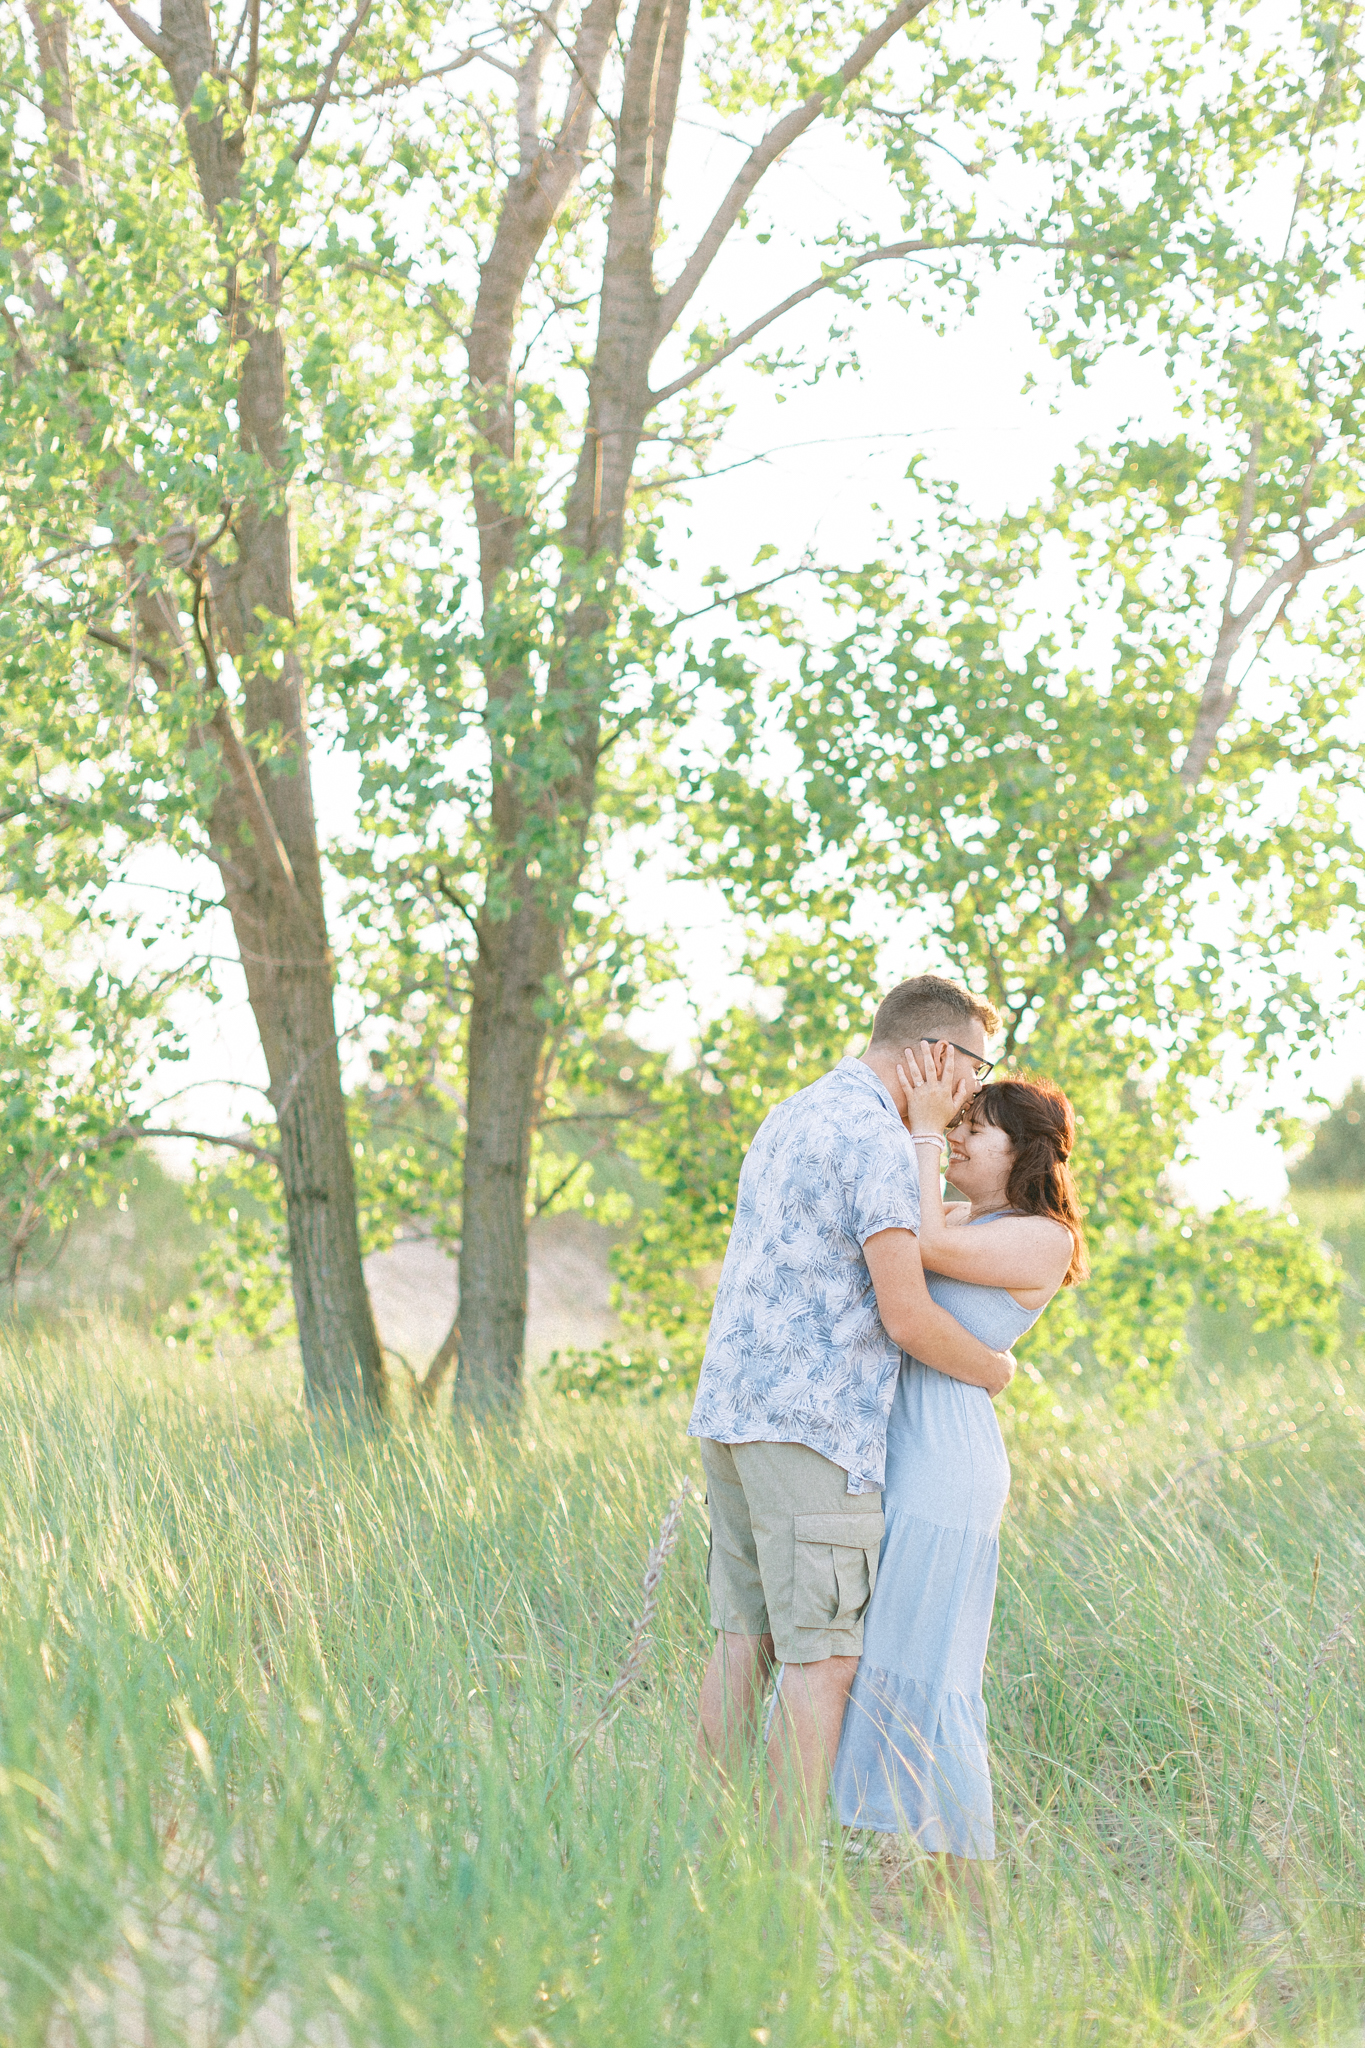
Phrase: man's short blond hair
[929,1006]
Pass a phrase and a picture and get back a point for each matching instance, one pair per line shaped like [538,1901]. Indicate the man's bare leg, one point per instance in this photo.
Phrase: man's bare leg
[731,1694]
[805,1736]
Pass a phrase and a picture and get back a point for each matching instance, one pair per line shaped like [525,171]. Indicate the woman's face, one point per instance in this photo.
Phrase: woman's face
[980,1158]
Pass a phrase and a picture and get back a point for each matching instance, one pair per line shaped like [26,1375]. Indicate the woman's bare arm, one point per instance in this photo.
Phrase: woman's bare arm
[1015,1252]
[916,1322]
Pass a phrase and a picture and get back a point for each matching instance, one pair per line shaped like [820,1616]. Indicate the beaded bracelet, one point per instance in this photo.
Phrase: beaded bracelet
[928,1138]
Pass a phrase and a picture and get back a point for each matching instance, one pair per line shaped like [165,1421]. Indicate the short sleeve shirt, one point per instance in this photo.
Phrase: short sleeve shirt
[796,1352]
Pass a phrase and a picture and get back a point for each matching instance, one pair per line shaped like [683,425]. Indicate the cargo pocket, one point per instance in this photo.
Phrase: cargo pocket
[836,1568]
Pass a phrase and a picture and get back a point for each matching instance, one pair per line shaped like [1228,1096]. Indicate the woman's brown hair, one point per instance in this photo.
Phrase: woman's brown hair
[1041,1127]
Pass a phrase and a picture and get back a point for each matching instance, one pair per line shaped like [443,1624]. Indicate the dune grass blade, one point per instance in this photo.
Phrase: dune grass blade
[286,1718]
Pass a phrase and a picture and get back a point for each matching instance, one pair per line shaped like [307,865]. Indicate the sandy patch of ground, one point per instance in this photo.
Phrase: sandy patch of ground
[413,1287]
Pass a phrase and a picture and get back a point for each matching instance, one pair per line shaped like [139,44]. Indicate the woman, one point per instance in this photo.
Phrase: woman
[912,1757]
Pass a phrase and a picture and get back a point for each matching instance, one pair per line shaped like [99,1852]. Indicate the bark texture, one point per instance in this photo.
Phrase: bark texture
[520,934]
[522,927]
[262,829]
[1266,604]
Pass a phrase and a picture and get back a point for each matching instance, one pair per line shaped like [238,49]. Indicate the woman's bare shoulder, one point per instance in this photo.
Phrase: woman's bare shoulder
[1047,1241]
[1042,1230]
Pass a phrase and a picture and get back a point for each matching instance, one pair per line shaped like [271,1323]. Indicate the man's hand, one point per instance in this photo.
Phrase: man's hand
[935,1095]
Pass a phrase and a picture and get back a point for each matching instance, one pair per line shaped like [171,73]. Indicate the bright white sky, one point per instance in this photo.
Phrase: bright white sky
[832,474]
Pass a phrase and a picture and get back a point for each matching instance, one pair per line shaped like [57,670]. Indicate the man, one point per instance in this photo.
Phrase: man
[821,1291]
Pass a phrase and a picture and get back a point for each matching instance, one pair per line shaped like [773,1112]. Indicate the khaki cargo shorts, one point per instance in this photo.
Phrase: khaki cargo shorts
[793,1553]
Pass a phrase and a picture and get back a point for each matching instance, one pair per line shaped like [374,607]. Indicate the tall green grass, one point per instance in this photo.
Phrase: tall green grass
[288,1721]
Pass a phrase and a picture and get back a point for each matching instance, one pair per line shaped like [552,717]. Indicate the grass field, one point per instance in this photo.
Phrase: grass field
[288,1728]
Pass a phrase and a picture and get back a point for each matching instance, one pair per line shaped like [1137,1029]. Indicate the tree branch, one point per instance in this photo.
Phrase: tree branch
[593,1116]
[324,91]
[530,205]
[262,1152]
[1219,698]
[631,719]
[395,82]
[765,154]
[430,295]
[543,1204]
[802,568]
[1245,513]
[1297,566]
[528,80]
[247,783]
[26,365]
[253,64]
[1309,477]
[547,18]
[833,277]
[158,670]
[237,757]
[231,57]
[143,30]
[458,901]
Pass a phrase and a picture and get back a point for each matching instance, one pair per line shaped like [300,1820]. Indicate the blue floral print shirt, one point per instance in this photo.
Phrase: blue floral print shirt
[797,1353]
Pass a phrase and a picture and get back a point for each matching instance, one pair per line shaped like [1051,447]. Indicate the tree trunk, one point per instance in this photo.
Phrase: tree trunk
[527,905]
[288,966]
[262,829]
[521,926]
[539,832]
[518,960]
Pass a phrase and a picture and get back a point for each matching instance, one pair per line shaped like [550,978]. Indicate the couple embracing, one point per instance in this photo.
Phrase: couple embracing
[855,1471]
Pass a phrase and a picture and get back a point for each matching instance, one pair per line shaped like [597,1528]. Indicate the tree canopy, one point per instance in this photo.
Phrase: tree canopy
[1335,1157]
[353,380]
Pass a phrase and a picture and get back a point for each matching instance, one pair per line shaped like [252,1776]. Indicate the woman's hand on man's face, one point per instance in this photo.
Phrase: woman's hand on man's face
[934,1093]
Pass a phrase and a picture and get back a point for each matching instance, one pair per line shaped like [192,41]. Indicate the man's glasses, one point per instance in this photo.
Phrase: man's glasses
[980,1067]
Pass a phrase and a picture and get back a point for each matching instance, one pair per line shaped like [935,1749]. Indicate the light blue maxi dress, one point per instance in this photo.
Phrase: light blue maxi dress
[912,1757]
